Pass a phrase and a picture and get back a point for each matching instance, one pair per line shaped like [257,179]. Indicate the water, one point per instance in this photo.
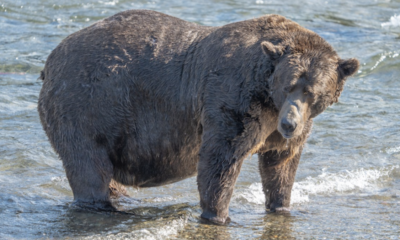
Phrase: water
[347,185]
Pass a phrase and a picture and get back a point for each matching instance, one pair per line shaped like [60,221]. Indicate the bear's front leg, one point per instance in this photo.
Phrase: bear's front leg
[278,170]
[216,180]
[218,170]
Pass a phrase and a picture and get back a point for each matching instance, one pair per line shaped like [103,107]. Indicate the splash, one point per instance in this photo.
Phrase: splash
[394,22]
[325,184]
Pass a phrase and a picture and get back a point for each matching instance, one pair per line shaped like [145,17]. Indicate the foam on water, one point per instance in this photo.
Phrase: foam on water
[393,150]
[166,230]
[61,182]
[160,199]
[384,56]
[325,183]
[394,22]
[113,3]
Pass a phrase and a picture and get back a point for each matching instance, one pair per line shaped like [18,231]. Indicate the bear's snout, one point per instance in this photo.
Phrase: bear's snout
[288,126]
[290,120]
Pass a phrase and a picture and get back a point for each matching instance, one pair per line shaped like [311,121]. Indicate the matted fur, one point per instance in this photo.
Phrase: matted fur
[146,99]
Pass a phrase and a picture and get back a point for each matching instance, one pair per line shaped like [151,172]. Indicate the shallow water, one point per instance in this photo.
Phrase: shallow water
[347,185]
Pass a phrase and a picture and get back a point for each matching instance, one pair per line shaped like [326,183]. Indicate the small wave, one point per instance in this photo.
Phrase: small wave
[168,230]
[394,22]
[59,179]
[325,183]
[383,57]
[159,199]
[112,3]
[12,108]
[393,150]
[60,182]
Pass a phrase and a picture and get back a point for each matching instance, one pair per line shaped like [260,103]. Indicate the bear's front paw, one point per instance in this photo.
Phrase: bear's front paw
[213,218]
[277,207]
[280,209]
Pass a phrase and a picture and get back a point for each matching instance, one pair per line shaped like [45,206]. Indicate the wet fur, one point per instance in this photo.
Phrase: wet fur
[146,99]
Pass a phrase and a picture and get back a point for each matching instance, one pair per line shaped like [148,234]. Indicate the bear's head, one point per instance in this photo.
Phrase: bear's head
[307,77]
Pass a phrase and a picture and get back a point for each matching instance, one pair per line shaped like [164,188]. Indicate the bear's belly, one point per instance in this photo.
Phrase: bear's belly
[178,175]
[155,172]
[161,159]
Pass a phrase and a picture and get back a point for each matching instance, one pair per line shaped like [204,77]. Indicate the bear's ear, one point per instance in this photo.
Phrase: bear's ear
[348,67]
[274,51]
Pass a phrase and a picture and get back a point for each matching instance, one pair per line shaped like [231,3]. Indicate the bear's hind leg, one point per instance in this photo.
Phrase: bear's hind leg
[89,172]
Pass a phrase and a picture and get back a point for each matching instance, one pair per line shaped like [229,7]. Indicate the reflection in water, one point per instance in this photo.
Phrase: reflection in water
[278,225]
[79,222]
[205,231]
[139,222]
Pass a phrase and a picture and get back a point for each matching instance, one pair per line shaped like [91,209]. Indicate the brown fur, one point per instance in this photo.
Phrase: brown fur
[117,190]
[146,99]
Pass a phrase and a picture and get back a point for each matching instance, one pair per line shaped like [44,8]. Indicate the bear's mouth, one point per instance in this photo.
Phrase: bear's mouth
[287,135]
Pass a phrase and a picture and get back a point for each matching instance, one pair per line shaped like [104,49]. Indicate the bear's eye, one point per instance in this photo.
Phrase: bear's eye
[288,89]
[303,75]
[307,91]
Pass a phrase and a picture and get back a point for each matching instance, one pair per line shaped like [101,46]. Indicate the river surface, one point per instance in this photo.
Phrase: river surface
[347,185]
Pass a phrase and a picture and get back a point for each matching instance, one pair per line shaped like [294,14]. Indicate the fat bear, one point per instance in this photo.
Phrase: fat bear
[145,99]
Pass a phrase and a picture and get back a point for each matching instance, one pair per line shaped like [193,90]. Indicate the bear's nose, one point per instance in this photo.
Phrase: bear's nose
[288,125]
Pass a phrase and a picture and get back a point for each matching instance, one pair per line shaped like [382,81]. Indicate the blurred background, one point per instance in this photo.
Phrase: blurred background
[347,185]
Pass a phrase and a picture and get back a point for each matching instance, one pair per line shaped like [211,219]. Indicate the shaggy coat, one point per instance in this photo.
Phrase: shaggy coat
[146,99]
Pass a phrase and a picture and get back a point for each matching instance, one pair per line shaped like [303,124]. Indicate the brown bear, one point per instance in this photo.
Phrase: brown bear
[146,99]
